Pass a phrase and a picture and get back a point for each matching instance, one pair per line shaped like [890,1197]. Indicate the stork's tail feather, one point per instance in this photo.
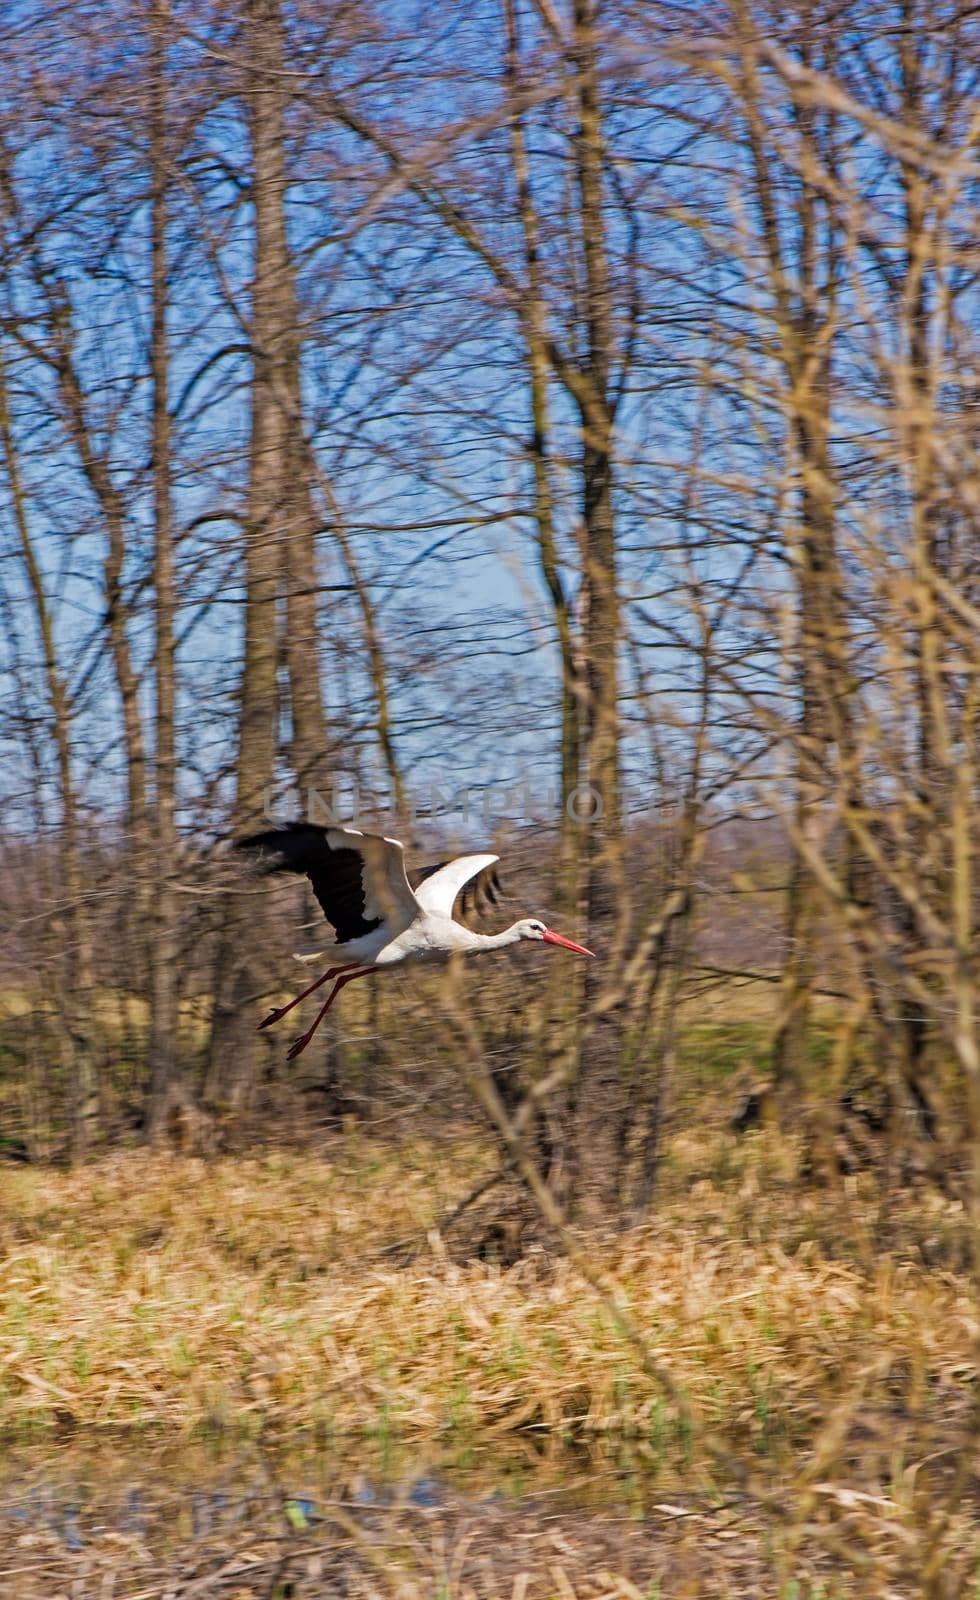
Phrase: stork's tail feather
[311,955]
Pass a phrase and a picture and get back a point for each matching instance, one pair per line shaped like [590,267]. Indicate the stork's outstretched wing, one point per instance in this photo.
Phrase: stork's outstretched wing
[436,888]
[358,878]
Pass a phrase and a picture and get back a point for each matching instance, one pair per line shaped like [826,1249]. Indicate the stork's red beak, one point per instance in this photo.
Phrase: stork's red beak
[566,944]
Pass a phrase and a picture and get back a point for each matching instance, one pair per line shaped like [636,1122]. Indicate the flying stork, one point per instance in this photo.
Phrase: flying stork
[378,916]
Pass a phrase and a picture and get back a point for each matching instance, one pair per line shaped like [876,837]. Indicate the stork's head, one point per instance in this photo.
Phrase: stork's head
[531,928]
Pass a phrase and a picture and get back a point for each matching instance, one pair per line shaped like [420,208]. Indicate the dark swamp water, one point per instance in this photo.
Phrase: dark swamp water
[110,1517]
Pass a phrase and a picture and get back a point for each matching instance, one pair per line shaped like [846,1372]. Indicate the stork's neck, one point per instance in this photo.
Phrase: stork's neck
[493,941]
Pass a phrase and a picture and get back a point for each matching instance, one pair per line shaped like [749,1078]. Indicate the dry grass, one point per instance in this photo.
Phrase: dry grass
[173,1291]
[824,1341]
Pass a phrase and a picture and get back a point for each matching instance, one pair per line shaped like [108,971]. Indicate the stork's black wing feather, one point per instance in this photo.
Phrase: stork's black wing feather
[337,875]
[482,891]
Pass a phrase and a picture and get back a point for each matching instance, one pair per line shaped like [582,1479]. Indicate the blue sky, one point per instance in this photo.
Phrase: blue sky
[416,397]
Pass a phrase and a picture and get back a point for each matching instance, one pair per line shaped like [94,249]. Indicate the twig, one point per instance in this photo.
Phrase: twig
[760,977]
[453,1216]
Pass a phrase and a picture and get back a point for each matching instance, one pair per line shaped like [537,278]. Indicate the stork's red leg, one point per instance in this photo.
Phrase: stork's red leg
[281,1011]
[300,1044]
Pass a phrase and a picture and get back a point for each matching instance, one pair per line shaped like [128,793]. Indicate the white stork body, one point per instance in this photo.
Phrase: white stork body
[378,917]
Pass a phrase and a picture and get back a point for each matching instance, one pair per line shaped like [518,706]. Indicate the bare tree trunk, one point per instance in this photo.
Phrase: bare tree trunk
[95,465]
[533,312]
[376,658]
[803,287]
[265,515]
[97,471]
[282,478]
[916,405]
[74,931]
[166,1085]
[309,755]
[553,1040]
[274,548]
[599,1163]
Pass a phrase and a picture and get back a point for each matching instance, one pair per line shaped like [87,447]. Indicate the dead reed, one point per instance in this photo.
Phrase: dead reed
[827,1340]
[147,1291]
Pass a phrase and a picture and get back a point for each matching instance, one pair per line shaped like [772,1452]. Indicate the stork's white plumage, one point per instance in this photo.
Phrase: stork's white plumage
[378,916]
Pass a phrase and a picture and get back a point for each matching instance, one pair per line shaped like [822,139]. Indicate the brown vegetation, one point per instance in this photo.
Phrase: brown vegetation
[828,1355]
[553,424]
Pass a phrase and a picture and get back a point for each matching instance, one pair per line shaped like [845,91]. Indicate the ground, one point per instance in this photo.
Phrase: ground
[301,1305]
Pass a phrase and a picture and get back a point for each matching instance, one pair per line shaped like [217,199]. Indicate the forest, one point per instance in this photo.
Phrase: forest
[538,427]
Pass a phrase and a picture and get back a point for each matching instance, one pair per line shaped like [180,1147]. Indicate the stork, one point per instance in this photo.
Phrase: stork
[378,916]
